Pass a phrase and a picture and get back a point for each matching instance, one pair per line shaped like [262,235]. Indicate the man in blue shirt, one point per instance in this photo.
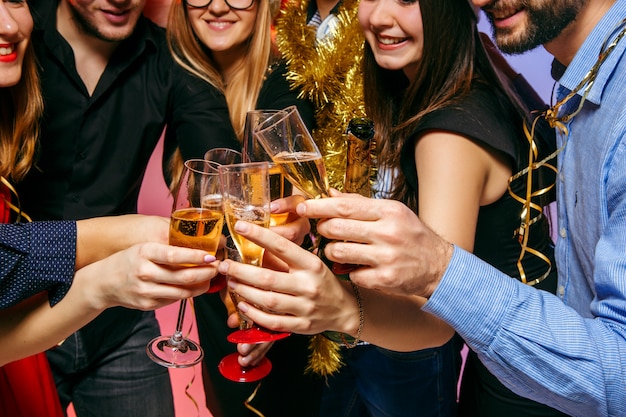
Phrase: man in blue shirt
[568,350]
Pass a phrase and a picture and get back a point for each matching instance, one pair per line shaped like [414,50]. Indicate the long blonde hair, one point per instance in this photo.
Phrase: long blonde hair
[22,106]
[243,89]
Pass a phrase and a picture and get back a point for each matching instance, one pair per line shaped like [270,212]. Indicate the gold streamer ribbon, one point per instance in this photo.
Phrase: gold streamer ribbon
[15,208]
[188,394]
[249,400]
[555,121]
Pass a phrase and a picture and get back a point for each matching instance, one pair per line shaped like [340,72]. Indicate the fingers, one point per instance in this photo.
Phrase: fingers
[173,255]
[290,253]
[251,354]
[295,227]
[287,204]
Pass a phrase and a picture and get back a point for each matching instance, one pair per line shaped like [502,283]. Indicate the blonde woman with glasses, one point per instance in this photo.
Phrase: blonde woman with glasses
[228,44]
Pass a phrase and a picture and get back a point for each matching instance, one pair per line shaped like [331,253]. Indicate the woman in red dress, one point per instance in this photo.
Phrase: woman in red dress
[27,388]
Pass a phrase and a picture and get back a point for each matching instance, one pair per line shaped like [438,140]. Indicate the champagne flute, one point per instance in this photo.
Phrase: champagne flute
[254,152]
[220,156]
[223,156]
[245,196]
[195,223]
[287,140]
[229,366]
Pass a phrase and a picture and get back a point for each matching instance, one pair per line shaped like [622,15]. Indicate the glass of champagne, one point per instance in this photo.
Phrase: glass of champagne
[221,156]
[254,152]
[245,196]
[290,145]
[196,222]
[226,365]
[288,142]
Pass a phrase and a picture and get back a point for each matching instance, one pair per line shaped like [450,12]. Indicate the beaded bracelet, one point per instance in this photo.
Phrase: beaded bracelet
[357,339]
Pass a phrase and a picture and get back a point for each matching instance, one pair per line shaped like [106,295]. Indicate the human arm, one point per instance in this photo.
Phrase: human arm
[42,256]
[311,299]
[143,277]
[100,237]
[529,339]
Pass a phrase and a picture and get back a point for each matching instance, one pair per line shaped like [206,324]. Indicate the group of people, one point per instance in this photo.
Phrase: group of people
[454,249]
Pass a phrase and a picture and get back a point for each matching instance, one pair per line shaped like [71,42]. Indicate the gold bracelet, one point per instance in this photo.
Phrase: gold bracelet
[359,301]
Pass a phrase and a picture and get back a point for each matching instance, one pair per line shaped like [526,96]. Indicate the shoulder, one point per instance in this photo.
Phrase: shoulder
[479,116]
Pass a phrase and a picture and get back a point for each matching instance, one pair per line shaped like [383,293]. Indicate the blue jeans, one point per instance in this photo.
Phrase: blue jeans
[377,382]
[104,371]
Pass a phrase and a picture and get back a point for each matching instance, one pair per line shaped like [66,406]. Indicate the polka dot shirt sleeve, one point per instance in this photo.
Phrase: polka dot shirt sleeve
[36,257]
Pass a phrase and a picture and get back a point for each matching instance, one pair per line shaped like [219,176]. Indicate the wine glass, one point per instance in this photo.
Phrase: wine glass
[196,222]
[287,140]
[245,196]
[221,156]
[254,152]
[229,366]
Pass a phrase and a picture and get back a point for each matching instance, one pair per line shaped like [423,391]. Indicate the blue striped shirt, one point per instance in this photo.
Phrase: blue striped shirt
[568,350]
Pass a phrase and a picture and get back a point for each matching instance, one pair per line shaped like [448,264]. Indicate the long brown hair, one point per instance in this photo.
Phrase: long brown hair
[453,60]
[22,106]
[243,89]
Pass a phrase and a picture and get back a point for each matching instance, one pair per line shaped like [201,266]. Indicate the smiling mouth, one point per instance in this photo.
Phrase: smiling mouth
[7,50]
[500,14]
[390,41]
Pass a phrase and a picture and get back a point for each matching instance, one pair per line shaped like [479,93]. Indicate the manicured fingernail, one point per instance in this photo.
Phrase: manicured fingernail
[232,284]
[223,268]
[274,207]
[301,209]
[209,258]
[242,227]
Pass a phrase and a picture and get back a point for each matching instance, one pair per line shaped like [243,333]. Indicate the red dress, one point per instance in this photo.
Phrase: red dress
[27,388]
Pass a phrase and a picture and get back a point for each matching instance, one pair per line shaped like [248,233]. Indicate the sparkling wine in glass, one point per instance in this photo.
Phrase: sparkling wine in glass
[290,145]
[254,152]
[229,366]
[220,156]
[195,223]
[288,142]
[245,196]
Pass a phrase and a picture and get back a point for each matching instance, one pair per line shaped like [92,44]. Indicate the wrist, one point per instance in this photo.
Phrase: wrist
[444,251]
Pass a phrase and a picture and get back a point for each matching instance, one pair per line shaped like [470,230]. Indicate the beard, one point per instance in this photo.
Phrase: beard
[544,23]
[89,28]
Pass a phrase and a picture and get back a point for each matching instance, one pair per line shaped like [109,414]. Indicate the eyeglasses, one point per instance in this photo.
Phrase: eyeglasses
[233,4]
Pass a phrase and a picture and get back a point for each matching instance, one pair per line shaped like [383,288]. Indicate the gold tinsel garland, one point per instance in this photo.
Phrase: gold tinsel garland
[328,73]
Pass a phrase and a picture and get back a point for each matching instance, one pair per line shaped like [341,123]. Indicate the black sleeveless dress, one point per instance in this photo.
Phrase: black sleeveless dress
[481,118]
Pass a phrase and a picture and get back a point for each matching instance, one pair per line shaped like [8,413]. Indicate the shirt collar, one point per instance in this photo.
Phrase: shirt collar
[588,53]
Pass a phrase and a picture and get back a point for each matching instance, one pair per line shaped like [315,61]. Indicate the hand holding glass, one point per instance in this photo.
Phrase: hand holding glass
[254,152]
[221,156]
[196,222]
[245,196]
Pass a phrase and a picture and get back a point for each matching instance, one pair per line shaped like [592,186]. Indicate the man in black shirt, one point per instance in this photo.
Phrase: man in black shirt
[110,88]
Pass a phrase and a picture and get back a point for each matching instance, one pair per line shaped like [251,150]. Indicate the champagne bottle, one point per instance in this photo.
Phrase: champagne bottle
[357,180]
[358,163]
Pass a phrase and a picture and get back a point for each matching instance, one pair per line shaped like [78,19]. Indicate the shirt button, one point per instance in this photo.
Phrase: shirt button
[562,177]
[561,291]
[563,233]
